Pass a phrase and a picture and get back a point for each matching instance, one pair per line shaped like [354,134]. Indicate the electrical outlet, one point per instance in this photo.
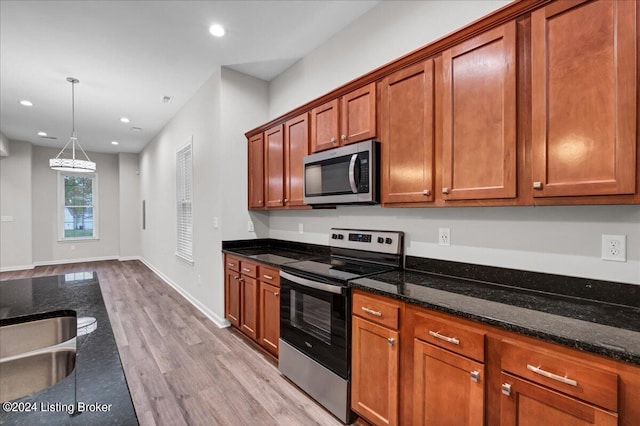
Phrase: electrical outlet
[300,229]
[444,236]
[614,247]
[250,226]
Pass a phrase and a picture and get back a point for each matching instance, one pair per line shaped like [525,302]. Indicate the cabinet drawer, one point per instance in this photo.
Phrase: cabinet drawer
[249,269]
[376,310]
[232,263]
[269,275]
[562,373]
[455,337]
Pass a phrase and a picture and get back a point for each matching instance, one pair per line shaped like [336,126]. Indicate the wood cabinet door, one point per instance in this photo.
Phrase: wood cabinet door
[358,115]
[249,307]
[324,126]
[296,138]
[256,172]
[274,160]
[448,389]
[269,317]
[524,403]
[232,297]
[584,98]
[374,376]
[479,117]
[407,135]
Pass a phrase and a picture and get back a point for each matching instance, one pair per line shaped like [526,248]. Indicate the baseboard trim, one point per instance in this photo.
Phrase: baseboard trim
[17,268]
[220,322]
[67,261]
[125,258]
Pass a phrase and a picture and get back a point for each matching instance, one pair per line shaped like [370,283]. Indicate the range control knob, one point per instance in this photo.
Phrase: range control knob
[388,241]
[380,240]
[340,237]
[334,236]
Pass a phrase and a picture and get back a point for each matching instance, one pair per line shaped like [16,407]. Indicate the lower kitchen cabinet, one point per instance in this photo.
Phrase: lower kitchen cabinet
[525,403]
[269,316]
[448,389]
[375,361]
[252,301]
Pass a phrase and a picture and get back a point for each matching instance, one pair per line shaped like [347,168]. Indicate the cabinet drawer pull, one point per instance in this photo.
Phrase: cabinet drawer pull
[475,376]
[231,264]
[246,269]
[544,373]
[437,335]
[372,312]
[391,341]
[269,277]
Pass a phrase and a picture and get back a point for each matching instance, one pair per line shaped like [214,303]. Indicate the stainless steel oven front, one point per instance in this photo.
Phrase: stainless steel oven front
[314,347]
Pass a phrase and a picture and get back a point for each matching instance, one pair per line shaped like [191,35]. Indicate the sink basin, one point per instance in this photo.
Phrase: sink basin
[24,374]
[32,335]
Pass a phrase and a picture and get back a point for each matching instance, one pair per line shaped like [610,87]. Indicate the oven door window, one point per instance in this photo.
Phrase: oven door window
[311,315]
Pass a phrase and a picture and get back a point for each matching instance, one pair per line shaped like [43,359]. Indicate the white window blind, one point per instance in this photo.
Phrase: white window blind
[184,202]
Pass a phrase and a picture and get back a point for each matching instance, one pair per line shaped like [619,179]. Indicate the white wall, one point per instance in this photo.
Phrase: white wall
[15,201]
[130,205]
[46,247]
[388,31]
[562,240]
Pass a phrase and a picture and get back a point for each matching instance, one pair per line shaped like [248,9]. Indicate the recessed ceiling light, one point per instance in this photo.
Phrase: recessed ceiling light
[125,120]
[217,30]
[114,143]
[25,102]
[167,99]
[42,133]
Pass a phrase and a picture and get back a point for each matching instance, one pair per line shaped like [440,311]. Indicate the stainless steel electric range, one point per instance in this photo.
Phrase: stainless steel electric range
[315,312]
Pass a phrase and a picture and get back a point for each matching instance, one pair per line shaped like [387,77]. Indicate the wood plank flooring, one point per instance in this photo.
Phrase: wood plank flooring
[180,367]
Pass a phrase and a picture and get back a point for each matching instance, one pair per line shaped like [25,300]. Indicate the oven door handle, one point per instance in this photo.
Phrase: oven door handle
[312,284]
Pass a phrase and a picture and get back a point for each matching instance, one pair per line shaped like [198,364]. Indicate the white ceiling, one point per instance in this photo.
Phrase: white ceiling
[129,54]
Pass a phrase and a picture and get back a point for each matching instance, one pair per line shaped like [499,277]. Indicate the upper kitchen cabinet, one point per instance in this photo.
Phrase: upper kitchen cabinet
[256,172]
[584,98]
[406,124]
[479,117]
[274,162]
[349,119]
[296,146]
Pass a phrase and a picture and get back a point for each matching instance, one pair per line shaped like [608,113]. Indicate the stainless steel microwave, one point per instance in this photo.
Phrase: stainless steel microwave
[345,175]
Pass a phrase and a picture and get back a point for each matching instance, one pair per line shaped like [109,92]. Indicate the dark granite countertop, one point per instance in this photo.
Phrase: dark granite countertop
[274,252]
[601,328]
[97,381]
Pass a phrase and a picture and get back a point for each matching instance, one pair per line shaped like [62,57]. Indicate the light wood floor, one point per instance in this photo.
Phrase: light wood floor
[181,368]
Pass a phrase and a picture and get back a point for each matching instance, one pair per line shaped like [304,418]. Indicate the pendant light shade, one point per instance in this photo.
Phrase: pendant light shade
[73,164]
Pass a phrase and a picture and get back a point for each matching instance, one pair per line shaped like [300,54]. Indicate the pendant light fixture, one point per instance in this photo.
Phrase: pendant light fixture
[72,164]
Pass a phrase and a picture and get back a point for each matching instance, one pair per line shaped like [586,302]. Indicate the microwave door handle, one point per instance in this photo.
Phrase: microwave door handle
[352,173]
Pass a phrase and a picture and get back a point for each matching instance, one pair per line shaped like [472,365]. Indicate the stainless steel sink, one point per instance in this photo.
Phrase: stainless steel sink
[24,374]
[32,335]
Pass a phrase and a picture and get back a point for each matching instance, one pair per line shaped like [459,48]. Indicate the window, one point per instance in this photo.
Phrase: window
[184,202]
[78,206]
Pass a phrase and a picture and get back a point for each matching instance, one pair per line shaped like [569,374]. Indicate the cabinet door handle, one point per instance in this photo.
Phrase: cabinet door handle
[475,376]
[333,140]
[246,269]
[343,137]
[269,277]
[372,312]
[236,277]
[426,192]
[437,335]
[544,373]
[537,185]
[259,201]
[506,389]
[391,341]
[286,200]
[445,190]
[276,294]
